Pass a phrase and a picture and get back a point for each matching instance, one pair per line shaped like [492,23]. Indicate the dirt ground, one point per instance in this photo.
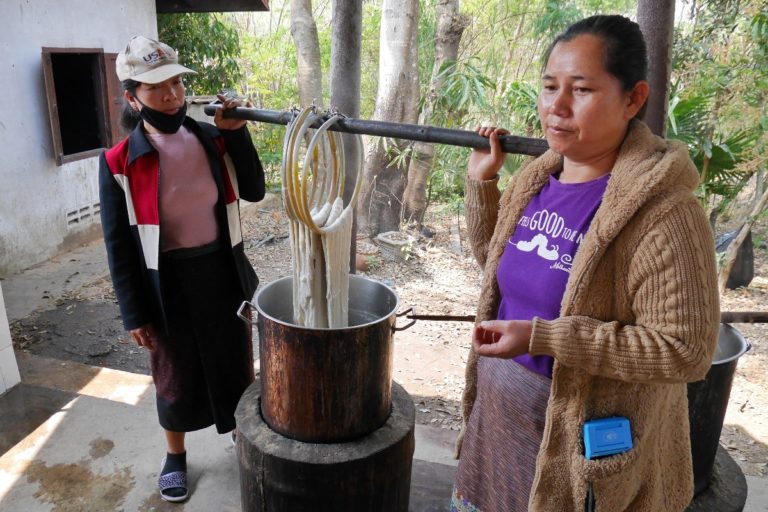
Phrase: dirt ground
[440,277]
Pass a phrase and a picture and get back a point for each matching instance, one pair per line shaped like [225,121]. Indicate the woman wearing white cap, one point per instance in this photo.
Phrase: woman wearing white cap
[169,207]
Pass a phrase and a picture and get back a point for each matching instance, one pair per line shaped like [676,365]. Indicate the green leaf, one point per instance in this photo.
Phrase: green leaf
[206,44]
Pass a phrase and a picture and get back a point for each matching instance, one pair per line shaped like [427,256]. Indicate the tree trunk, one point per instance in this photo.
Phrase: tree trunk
[346,42]
[656,19]
[380,204]
[733,248]
[304,32]
[450,26]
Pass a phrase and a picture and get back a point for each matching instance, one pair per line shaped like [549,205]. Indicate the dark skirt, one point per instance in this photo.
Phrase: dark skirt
[504,432]
[204,363]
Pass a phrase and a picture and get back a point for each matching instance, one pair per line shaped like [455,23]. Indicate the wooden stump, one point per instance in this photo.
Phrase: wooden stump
[727,490]
[278,474]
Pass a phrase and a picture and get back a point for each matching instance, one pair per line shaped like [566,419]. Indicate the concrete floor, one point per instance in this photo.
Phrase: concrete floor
[81,438]
[77,438]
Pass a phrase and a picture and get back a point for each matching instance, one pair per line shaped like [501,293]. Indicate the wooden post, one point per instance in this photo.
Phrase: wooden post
[371,473]
[656,19]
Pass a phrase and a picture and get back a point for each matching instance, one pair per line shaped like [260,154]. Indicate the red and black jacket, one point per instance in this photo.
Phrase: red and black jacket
[130,219]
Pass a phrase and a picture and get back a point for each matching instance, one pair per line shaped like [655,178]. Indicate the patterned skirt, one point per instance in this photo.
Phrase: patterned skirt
[504,432]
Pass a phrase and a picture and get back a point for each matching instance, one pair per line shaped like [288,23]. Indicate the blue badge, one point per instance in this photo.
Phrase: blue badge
[606,436]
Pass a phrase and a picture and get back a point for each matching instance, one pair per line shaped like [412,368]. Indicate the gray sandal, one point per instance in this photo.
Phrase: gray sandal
[172,480]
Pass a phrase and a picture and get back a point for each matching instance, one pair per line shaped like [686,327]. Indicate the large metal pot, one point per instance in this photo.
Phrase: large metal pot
[327,385]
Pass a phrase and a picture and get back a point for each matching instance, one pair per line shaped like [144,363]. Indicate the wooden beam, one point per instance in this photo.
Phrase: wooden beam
[180,6]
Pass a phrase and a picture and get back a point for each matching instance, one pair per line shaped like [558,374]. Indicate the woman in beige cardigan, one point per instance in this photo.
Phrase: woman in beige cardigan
[599,296]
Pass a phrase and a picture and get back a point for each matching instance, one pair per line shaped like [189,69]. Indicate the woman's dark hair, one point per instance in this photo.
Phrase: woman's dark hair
[626,56]
[129,118]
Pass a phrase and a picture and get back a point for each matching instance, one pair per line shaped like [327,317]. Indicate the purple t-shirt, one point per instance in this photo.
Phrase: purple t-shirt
[536,263]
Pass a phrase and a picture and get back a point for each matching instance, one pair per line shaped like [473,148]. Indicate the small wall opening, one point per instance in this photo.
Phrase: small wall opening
[84,101]
[80,102]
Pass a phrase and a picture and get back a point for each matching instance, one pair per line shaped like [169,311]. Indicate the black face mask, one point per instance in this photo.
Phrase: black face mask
[166,123]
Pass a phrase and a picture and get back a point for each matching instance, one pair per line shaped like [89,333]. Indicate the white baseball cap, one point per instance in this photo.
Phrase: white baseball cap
[148,61]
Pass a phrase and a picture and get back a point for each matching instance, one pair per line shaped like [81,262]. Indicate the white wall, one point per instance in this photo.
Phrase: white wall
[9,371]
[35,193]
[196,106]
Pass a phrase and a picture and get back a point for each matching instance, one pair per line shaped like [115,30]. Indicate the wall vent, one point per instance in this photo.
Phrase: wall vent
[83,216]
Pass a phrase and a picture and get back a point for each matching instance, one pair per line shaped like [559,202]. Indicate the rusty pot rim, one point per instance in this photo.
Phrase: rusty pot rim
[352,278]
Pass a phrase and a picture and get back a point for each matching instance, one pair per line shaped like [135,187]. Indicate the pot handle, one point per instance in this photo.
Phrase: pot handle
[240,312]
[406,326]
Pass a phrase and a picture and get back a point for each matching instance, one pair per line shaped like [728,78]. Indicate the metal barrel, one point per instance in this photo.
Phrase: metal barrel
[707,403]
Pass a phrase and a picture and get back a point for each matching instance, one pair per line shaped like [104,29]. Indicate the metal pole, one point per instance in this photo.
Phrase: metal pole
[726,317]
[424,133]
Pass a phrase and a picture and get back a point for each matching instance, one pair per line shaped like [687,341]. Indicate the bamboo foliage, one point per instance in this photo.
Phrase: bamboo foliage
[206,43]
[717,103]
[718,108]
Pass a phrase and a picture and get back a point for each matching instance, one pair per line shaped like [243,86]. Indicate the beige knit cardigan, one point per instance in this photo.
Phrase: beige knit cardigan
[639,319]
